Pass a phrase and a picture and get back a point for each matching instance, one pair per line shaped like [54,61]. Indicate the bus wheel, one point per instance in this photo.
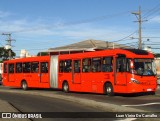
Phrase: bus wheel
[24,85]
[65,87]
[108,89]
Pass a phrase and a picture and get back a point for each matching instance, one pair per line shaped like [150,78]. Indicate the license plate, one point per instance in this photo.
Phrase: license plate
[149,89]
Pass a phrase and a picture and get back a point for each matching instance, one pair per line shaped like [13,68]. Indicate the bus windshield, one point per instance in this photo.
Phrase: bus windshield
[144,67]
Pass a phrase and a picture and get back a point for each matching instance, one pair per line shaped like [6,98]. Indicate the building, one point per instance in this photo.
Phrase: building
[24,53]
[93,45]
[83,46]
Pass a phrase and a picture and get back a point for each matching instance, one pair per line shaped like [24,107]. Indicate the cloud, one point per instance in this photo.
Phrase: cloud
[44,28]
[156,19]
[4,14]
[91,31]
[24,26]
[36,30]
[39,32]
[52,33]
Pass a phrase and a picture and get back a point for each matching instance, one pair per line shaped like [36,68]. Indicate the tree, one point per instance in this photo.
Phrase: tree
[4,54]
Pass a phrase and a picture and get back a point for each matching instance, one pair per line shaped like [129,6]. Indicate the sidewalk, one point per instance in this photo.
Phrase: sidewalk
[7,108]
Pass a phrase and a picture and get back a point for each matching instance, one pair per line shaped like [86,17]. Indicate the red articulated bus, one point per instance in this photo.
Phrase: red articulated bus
[107,71]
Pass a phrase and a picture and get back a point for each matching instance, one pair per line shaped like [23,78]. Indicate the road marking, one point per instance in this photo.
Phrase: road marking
[126,119]
[155,103]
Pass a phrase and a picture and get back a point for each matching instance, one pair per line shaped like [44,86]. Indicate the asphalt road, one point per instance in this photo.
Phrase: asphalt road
[32,103]
[37,103]
[146,102]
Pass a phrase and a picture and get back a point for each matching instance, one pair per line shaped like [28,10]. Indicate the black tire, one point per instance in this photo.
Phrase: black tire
[152,93]
[65,87]
[108,89]
[24,85]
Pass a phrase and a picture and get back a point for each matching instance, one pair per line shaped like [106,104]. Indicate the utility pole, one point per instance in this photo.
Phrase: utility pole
[138,15]
[8,45]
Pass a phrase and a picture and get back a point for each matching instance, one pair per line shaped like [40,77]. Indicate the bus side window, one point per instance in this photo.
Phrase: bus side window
[44,67]
[18,67]
[107,65]
[26,67]
[11,68]
[67,66]
[61,66]
[5,68]
[96,64]
[77,65]
[86,65]
[35,67]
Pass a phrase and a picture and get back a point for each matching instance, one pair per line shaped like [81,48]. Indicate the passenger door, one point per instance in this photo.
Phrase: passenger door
[76,72]
[44,72]
[35,76]
[121,74]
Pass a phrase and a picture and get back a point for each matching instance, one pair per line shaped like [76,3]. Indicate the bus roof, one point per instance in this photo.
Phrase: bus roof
[138,51]
[37,58]
[130,53]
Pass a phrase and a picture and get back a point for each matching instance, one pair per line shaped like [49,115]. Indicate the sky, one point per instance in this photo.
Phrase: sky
[37,25]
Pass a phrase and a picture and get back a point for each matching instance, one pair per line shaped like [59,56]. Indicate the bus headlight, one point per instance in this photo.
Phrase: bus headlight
[135,81]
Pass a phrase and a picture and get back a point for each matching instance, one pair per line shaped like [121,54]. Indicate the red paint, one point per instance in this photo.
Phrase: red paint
[81,81]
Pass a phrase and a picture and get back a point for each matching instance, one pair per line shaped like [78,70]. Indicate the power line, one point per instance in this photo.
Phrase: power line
[99,18]
[95,19]
[150,37]
[152,11]
[123,39]
[155,48]
[153,44]
[151,18]
[87,21]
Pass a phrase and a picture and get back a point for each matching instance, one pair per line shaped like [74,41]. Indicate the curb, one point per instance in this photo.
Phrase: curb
[6,107]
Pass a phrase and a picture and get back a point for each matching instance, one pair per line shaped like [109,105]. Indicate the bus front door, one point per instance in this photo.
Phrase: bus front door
[121,75]
[76,72]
